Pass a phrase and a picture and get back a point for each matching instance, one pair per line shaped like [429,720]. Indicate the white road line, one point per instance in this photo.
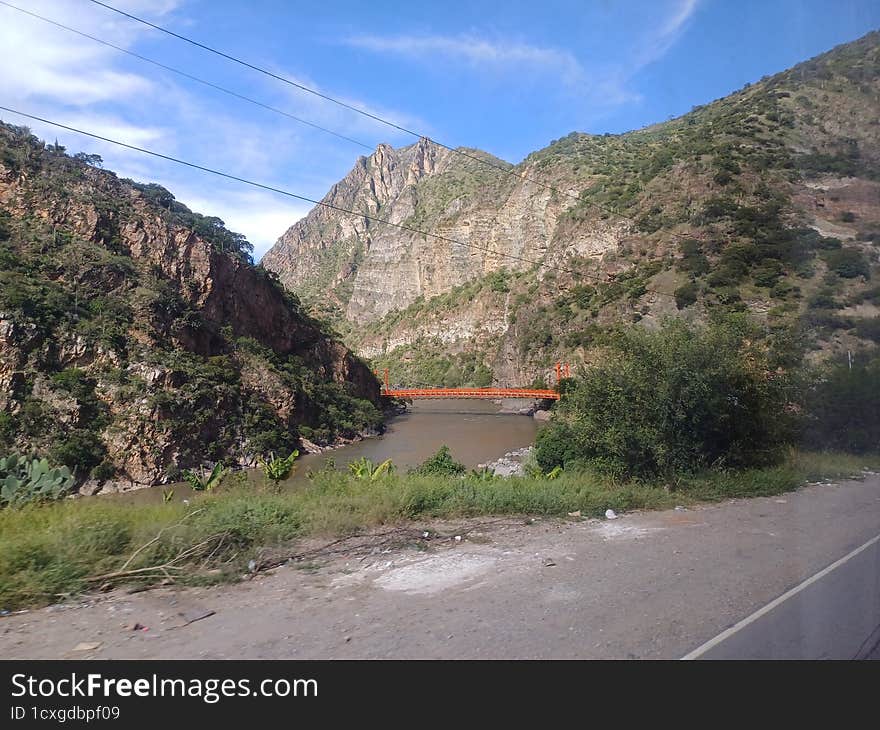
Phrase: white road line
[700,650]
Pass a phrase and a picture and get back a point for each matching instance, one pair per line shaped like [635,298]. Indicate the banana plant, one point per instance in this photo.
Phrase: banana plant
[278,469]
[24,480]
[368,471]
[202,483]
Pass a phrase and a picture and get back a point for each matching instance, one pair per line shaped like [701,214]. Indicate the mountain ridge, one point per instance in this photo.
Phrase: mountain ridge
[727,205]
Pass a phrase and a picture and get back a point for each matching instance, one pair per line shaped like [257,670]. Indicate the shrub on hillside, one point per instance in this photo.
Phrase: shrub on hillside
[686,295]
[869,329]
[848,263]
[675,400]
[768,272]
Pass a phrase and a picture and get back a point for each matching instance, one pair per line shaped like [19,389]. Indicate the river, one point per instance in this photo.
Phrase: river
[475,431]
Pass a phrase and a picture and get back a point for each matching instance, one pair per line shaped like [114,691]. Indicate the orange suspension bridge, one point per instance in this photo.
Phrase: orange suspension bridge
[563,370]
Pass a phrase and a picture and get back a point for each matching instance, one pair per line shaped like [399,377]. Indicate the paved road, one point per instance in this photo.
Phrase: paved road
[649,585]
[834,614]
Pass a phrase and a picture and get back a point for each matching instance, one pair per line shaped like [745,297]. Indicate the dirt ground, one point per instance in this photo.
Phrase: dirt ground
[652,584]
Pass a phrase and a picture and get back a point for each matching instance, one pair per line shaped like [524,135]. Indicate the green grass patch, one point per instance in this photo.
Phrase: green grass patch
[53,551]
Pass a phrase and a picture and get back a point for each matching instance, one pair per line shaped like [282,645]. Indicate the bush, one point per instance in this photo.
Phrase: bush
[675,400]
[843,406]
[728,273]
[823,299]
[80,449]
[498,281]
[848,263]
[440,464]
[869,329]
[784,289]
[768,272]
[686,295]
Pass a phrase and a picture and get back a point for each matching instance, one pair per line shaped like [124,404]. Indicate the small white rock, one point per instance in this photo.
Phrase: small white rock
[610,514]
[87,646]
[458,538]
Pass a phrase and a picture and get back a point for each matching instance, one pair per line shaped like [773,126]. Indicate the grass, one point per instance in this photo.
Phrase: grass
[51,552]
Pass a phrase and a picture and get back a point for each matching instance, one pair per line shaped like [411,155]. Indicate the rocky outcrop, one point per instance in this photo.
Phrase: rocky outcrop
[147,326]
[376,268]
[326,248]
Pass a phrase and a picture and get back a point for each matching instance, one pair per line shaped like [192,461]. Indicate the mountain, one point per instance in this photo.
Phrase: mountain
[766,200]
[138,339]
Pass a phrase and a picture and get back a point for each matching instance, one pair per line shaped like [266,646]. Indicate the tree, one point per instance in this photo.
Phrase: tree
[676,400]
[92,160]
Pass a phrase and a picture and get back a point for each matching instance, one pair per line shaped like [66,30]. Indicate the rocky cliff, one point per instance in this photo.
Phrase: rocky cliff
[137,338]
[768,199]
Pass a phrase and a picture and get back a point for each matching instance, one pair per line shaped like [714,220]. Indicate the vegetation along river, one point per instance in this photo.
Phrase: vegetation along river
[475,431]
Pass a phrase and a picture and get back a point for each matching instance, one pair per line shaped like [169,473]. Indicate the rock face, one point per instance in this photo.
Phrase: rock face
[137,337]
[762,175]
[376,268]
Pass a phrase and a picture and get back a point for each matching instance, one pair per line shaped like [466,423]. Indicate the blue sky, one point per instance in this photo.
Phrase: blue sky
[504,77]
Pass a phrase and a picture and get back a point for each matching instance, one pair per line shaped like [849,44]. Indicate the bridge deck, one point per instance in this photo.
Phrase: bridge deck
[488,393]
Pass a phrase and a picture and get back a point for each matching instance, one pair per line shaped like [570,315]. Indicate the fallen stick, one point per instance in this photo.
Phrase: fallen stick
[159,535]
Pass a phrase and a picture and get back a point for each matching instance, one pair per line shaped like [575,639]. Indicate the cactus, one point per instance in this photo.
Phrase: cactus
[24,480]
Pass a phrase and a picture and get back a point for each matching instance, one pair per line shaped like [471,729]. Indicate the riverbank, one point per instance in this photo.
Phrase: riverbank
[51,552]
[511,464]
[475,431]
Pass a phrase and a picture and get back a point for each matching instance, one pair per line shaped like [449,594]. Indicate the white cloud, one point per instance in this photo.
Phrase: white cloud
[659,42]
[596,85]
[52,64]
[510,56]
[73,80]
[261,216]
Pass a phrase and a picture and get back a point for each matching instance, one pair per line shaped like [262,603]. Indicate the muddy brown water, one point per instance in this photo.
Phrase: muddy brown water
[475,431]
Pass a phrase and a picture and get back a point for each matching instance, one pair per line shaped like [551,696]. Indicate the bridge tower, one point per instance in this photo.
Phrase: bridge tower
[563,370]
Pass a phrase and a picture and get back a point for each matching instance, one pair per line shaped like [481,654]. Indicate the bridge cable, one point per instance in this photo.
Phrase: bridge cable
[306,199]
[507,169]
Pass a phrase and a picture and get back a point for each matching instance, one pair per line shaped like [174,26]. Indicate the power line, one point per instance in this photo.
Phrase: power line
[507,169]
[329,206]
[189,76]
